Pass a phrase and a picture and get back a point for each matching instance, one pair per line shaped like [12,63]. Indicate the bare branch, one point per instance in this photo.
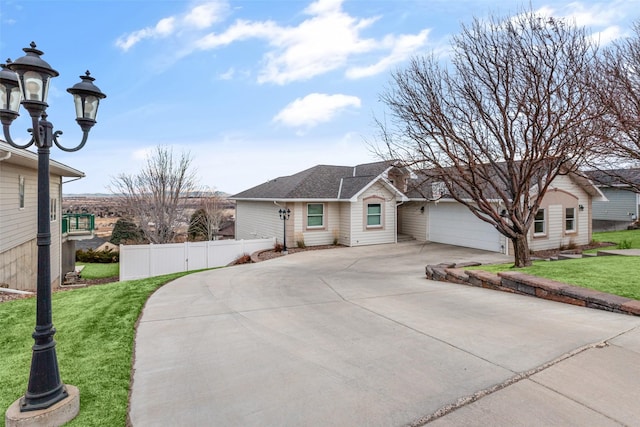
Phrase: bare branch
[509,114]
[155,196]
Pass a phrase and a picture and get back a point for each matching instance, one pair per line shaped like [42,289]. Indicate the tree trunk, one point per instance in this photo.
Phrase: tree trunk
[521,251]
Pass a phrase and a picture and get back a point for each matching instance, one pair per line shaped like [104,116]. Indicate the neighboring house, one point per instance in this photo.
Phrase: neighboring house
[96,244]
[376,202]
[623,205]
[227,230]
[18,217]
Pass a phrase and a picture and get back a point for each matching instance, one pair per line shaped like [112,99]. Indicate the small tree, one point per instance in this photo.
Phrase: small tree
[156,195]
[206,221]
[126,231]
[511,114]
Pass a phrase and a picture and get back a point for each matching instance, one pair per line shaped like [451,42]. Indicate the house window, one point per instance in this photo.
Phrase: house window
[21,192]
[539,222]
[315,215]
[374,215]
[53,212]
[570,219]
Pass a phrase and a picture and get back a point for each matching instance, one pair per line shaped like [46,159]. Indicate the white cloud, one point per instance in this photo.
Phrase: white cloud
[327,40]
[204,15]
[227,75]
[199,17]
[608,35]
[239,31]
[320,44]
[601,18]
[402,47]
[314,109]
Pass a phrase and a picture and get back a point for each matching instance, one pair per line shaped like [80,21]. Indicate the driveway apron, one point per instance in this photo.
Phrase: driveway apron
[359,337]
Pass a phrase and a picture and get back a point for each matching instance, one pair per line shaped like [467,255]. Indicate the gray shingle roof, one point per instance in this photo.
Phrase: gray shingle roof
[318,182]
[615,176]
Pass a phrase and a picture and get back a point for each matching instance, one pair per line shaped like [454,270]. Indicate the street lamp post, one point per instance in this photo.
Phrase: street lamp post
[284,216]
[26,82]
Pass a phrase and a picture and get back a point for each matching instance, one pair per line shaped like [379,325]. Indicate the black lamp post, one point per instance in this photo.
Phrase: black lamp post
[26,82]
[284,216]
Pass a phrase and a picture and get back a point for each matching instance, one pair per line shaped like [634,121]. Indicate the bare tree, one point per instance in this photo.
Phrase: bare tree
[502,121]
[618,91]
[156,195]
[206,221]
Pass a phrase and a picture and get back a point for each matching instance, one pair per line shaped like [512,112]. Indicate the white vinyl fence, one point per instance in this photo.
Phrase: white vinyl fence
[141,261]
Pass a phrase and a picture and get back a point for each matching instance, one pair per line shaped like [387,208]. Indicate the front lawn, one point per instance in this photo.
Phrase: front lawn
[93,270]
[631,238]
[96,327]
[618,275]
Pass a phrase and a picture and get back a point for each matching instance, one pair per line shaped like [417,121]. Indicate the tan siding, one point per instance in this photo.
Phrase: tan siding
[413,220]
[17,226]
[561,195]
[325,235]
[344,227]
[255,220]
[362,235]
[19,266]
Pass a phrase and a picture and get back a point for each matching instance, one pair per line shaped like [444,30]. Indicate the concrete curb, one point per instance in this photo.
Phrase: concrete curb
[525,284]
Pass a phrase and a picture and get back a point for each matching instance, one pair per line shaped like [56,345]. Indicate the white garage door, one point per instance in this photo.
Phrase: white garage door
[454,224]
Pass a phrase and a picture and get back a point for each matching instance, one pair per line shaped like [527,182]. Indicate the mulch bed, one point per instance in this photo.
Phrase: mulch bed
[270,254]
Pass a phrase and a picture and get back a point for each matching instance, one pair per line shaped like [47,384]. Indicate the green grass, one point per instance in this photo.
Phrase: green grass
[99,270]
[96,327]
[632,237]
[618,275]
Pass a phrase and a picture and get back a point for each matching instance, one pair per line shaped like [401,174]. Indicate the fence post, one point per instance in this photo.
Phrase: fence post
[186,256]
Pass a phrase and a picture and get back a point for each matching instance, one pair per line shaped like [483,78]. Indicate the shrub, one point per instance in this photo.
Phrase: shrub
[106,256]
[625,244]
[300,240]
[278,247]
[242,259]
[125,231]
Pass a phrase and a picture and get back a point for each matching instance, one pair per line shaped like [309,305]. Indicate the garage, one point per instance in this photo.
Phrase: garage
[453,224]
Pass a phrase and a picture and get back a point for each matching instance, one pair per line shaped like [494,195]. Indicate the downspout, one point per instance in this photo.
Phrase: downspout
[396,222]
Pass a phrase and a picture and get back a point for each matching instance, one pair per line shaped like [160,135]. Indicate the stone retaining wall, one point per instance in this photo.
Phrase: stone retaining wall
[525,284]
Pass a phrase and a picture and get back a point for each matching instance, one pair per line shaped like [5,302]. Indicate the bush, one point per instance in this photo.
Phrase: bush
[104,257]
[125,231]
[625,244]
[300,241]
[278,247]
[242,259]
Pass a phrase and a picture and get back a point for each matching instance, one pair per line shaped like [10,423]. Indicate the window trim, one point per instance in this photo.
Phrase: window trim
[542,221]
[574,220]
[322,216]
[373,200]
[53,209]
[379,215]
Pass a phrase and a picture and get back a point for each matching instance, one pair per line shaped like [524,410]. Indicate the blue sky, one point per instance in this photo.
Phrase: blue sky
[252,89]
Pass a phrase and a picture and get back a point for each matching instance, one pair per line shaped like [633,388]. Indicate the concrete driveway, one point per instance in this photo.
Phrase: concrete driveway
[358,337]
